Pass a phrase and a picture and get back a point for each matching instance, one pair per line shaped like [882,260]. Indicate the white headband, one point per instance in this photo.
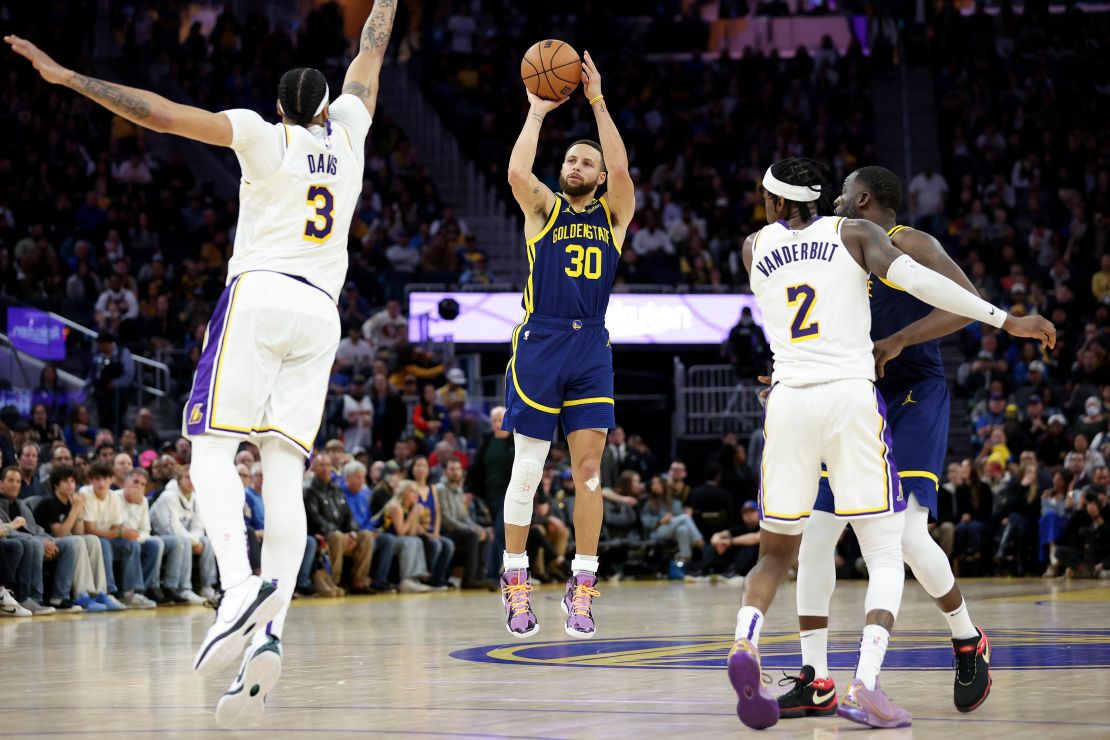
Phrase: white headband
[796,193]
[319,108]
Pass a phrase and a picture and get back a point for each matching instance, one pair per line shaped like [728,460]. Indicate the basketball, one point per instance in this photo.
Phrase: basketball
[551,69]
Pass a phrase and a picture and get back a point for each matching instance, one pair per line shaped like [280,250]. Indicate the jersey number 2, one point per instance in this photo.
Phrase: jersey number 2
[584,262]
[801,330]
[318,228]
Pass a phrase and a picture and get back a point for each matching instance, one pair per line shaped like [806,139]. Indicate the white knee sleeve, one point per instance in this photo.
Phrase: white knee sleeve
[531,454]
[929,563]
[880,541]
[816,564]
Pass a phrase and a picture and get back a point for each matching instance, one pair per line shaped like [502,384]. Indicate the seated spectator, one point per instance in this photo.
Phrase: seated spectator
[79,432]
[387,328]
[330,518]
[453,397]
[391,476]
[358,415]
[387,545]
[710,500]
[22,546]
[255,516]
[31,485]
[1054,512]
[146,436]
[429,418]
[354,355]
[44,430]
[62,513]
[1091,458]
[172,551]
[677,486]
[1085,550]
[664,520]
[403,515]
[1094,419]
[121,468]
[472,542]
[973,507]
[175,512]
[104,518]
[1054,444]
[733,552]
[439,551]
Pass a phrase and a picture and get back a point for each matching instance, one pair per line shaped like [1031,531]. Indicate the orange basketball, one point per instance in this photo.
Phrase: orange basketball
[551,69]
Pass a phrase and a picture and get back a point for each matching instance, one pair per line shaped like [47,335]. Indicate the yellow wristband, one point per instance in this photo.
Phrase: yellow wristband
[594,100]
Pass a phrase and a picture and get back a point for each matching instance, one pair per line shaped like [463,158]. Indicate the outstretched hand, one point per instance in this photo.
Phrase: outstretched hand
[50,70]
[591,78]
[886,350]
[1031,327]
[542,106]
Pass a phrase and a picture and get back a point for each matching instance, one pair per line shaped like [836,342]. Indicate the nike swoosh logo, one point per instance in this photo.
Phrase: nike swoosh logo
[992,312]
[822,698]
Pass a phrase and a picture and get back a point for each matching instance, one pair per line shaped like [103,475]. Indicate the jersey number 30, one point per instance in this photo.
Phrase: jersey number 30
[318,228]
[584,262]
[801,330]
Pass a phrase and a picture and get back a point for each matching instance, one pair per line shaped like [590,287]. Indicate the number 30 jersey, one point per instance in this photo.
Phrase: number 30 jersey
[572,262]
[813,295]
[298,193]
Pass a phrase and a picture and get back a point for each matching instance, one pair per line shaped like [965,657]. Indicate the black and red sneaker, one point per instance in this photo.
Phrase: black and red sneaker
[973,671]
[810,697]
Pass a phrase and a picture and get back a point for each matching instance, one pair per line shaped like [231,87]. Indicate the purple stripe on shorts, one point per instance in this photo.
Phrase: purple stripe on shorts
[895,494]
[197,410]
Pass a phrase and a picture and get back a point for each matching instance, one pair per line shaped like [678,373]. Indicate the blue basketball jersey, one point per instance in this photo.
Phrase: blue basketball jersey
[893,309]
[572,263]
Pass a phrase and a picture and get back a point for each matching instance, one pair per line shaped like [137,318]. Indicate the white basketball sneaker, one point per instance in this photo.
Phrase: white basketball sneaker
[241,612]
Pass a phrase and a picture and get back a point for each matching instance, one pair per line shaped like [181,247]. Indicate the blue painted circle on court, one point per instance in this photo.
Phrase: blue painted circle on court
[1021,649]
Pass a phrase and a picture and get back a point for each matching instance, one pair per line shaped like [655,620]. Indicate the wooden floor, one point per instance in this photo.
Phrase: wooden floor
[442,665]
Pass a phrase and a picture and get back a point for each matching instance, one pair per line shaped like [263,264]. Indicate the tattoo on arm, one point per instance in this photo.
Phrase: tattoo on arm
[538,117]
[601,107]
[357,89]
[112,97]
[375,34]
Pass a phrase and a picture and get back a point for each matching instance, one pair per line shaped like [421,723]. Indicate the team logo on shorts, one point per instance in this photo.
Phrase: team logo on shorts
[909,399]
[196,415]
[527,334]
[576,324]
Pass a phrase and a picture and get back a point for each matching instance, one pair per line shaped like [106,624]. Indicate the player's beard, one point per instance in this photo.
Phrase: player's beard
[576,191]
[847,211]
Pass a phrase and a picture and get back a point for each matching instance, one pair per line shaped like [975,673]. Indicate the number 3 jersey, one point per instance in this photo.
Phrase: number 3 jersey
[298,193]
[813,295]
[572,262]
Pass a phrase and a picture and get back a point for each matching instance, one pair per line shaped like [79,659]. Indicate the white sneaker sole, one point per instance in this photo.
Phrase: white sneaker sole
[570,630]
[244,707]
[220,650]
[520,635]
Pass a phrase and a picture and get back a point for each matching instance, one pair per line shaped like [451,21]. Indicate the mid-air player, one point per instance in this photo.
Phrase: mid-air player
[562,365]
[271,342]
[914,388]
[809,275]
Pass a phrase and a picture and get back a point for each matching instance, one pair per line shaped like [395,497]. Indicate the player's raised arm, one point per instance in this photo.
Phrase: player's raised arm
[620,192]
[533,197]
[926,251]
[141,107]
[870,244]
[362,76]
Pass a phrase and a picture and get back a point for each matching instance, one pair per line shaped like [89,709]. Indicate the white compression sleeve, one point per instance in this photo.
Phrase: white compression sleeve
[531,454]
[939,291]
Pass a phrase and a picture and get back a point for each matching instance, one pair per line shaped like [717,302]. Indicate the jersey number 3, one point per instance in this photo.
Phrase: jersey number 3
[801,330]
[584,262]
[318,228]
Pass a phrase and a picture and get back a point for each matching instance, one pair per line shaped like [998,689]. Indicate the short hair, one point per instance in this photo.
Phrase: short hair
[883,184]
[354,467]
[100,469]
[807,173]
[300,92]
[60,472]
[101,447]
[9,468]
[594,144]
[138,472]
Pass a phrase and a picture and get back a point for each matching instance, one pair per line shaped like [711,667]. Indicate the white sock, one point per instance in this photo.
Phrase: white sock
[959,622]
[514,560]
[872,650]
[286,530]
[220,496]
[584,564]
[815,650]
[749,623]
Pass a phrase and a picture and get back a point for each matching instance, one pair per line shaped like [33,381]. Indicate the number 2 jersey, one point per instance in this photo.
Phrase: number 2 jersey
[814,299]
[298,193]
[572,262]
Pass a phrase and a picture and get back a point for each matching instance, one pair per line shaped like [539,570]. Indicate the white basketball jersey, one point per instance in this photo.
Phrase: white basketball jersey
[815,305]
[296,220]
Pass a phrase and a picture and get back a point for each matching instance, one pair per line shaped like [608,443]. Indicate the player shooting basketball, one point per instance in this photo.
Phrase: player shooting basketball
[268,351]
[562,365]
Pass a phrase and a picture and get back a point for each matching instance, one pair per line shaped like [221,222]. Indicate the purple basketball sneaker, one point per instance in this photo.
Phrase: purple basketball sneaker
[755,706]
[578,605]
[872,707]
[520,620]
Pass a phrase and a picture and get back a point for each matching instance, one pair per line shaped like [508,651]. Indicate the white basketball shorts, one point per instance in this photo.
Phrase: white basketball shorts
[266,361]
[841,424]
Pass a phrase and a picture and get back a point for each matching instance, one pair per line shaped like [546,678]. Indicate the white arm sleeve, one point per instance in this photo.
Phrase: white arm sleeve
[939,291]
